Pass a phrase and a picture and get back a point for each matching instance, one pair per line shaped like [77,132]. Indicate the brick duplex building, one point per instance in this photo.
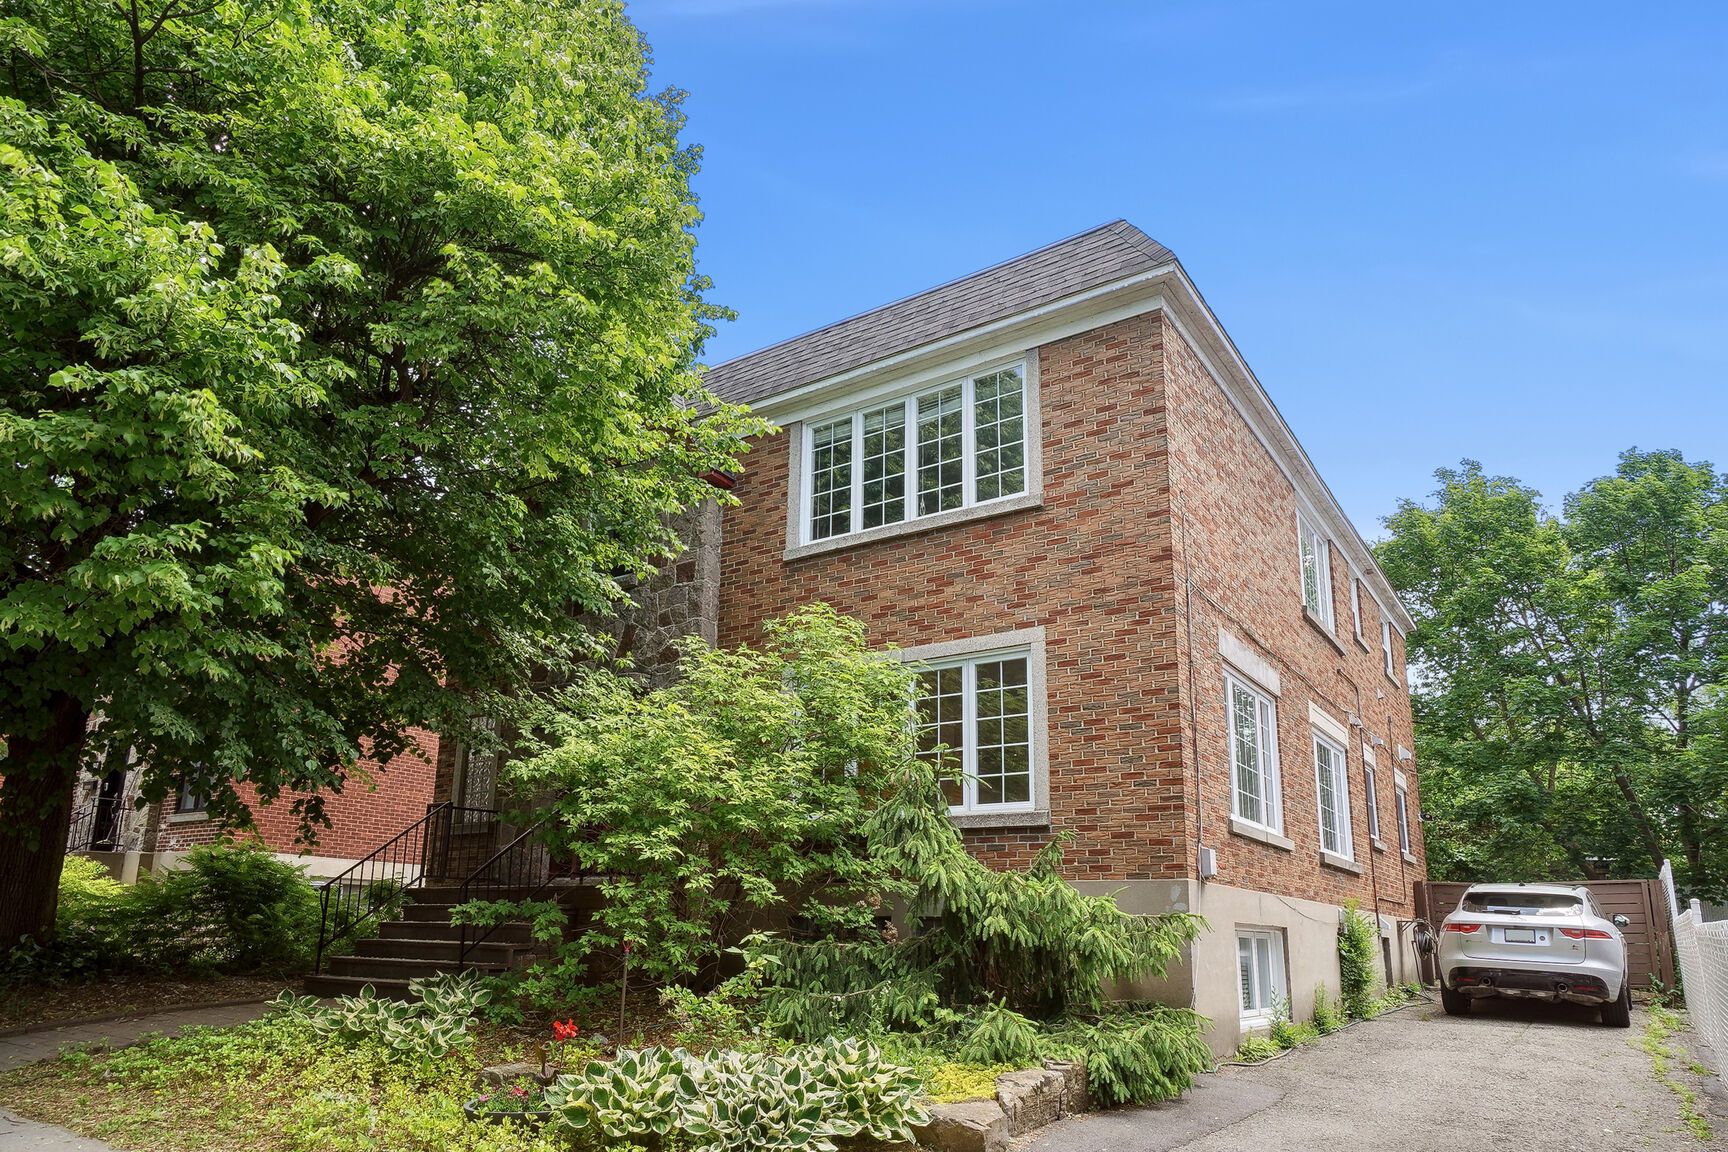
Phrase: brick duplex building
[1141,616]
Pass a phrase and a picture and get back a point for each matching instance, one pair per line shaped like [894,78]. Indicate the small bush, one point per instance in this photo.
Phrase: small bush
[1287,1034]
[233,908]
[1328,1014]
[423,1029]
[1254,1049]
[1356,946]
[806,1099]
[1001,1036]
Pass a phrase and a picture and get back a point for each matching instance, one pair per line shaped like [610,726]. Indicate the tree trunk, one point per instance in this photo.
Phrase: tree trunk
[35,816]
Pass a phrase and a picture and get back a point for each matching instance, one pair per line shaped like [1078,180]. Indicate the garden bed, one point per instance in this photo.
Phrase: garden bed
[33,1005]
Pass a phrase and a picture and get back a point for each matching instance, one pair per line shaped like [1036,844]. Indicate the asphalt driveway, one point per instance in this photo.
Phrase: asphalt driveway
[1519,1076]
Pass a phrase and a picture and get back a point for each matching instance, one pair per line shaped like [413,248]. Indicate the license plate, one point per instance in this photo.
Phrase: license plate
[1520,935]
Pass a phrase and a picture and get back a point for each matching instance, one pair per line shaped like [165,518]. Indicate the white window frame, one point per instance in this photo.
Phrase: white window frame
[968,452]
[1356,608]
[1371,792]
[1266,714]
[1311,541]
[1277,988]
[968,653]
[1340,779]
[1386,650]
[1403,818]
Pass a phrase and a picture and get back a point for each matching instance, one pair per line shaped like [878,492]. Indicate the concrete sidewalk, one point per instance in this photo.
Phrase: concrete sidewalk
[1517,1075]
[20,1135]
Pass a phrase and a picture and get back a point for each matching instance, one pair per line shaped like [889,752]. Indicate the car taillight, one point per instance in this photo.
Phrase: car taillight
[1462,927]
[1585,934]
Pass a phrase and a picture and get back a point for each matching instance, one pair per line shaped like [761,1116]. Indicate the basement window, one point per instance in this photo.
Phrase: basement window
[1260,973]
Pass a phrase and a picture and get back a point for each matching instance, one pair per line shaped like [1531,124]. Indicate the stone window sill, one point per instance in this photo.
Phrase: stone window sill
[1319,625]
[1034,819]
[1342,863]
[1379,845]
[1243,828]
[187,817]
[1002,507]
[1409,858]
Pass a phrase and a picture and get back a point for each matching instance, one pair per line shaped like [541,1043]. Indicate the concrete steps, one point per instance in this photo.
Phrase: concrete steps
[423,942]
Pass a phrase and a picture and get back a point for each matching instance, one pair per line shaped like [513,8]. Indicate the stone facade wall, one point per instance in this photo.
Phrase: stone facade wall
[681,599]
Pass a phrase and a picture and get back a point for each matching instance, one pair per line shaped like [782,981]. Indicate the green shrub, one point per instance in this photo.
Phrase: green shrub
[1287,1034]
[423,1029]
[1255,1049]
[1001,1036]
[1328,1014]
[739,788]
[1136,1055]
[1357,943]
[808,1098]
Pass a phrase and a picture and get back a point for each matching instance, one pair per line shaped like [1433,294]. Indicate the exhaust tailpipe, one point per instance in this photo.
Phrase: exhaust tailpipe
[1561,987]
[1486,982]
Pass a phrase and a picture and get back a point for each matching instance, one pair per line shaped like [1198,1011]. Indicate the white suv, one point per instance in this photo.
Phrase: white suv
[1540,941]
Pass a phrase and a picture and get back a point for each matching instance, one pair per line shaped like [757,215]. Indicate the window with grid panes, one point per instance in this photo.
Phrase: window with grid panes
[974,724]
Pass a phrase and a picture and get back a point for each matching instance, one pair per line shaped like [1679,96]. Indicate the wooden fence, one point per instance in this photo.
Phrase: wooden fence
[1649,938]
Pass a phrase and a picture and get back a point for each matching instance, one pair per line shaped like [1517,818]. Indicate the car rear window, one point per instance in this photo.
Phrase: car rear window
[1524,903]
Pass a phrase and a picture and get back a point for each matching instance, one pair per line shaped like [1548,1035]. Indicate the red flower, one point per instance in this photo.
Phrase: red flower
[565,1030]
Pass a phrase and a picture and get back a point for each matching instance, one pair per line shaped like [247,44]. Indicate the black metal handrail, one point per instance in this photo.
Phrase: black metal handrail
[379,883]
[512,868]
[98,824]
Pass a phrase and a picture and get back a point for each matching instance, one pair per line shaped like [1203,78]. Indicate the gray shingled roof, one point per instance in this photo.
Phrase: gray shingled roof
[1089,260]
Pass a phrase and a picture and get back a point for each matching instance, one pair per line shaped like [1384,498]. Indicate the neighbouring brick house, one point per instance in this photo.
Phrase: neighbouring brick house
[1143,618]
[379,801]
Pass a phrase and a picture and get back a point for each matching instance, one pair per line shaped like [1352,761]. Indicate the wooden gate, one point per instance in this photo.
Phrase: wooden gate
[1649,938]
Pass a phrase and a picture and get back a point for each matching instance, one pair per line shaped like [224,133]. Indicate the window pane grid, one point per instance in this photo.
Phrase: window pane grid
[1334,797]
[831,479]
[999,433]
[884,465]
[1259,972]
[940,449]
[1253,753]
[981,711]
[942,727]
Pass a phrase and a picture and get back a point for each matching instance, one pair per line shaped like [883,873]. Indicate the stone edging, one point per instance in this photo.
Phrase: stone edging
[132,1014]
[1025,1101]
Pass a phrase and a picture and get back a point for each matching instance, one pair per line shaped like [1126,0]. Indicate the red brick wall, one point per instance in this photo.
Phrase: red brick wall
[378,802]
[1237,539]
[1092,566]
[1128,416]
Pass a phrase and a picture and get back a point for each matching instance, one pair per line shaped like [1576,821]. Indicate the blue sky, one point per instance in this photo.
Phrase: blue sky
[1487,230]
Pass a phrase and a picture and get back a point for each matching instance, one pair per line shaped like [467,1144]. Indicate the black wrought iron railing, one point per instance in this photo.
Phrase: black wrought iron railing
[435,847]
[98,824]
[521,870]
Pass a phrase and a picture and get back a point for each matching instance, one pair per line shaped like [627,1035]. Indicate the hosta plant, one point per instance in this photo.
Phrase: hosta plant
[737,1101]
[421,1029]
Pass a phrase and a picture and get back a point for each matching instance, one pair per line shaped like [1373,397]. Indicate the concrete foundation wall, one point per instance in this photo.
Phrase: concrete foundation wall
[1206,979]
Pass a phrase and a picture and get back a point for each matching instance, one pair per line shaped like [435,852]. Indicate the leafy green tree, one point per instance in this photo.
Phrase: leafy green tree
[349,352]
[1561,668]
[739,790]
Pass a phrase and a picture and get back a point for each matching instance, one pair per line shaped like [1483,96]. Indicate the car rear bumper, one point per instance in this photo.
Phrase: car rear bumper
[1574,986]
